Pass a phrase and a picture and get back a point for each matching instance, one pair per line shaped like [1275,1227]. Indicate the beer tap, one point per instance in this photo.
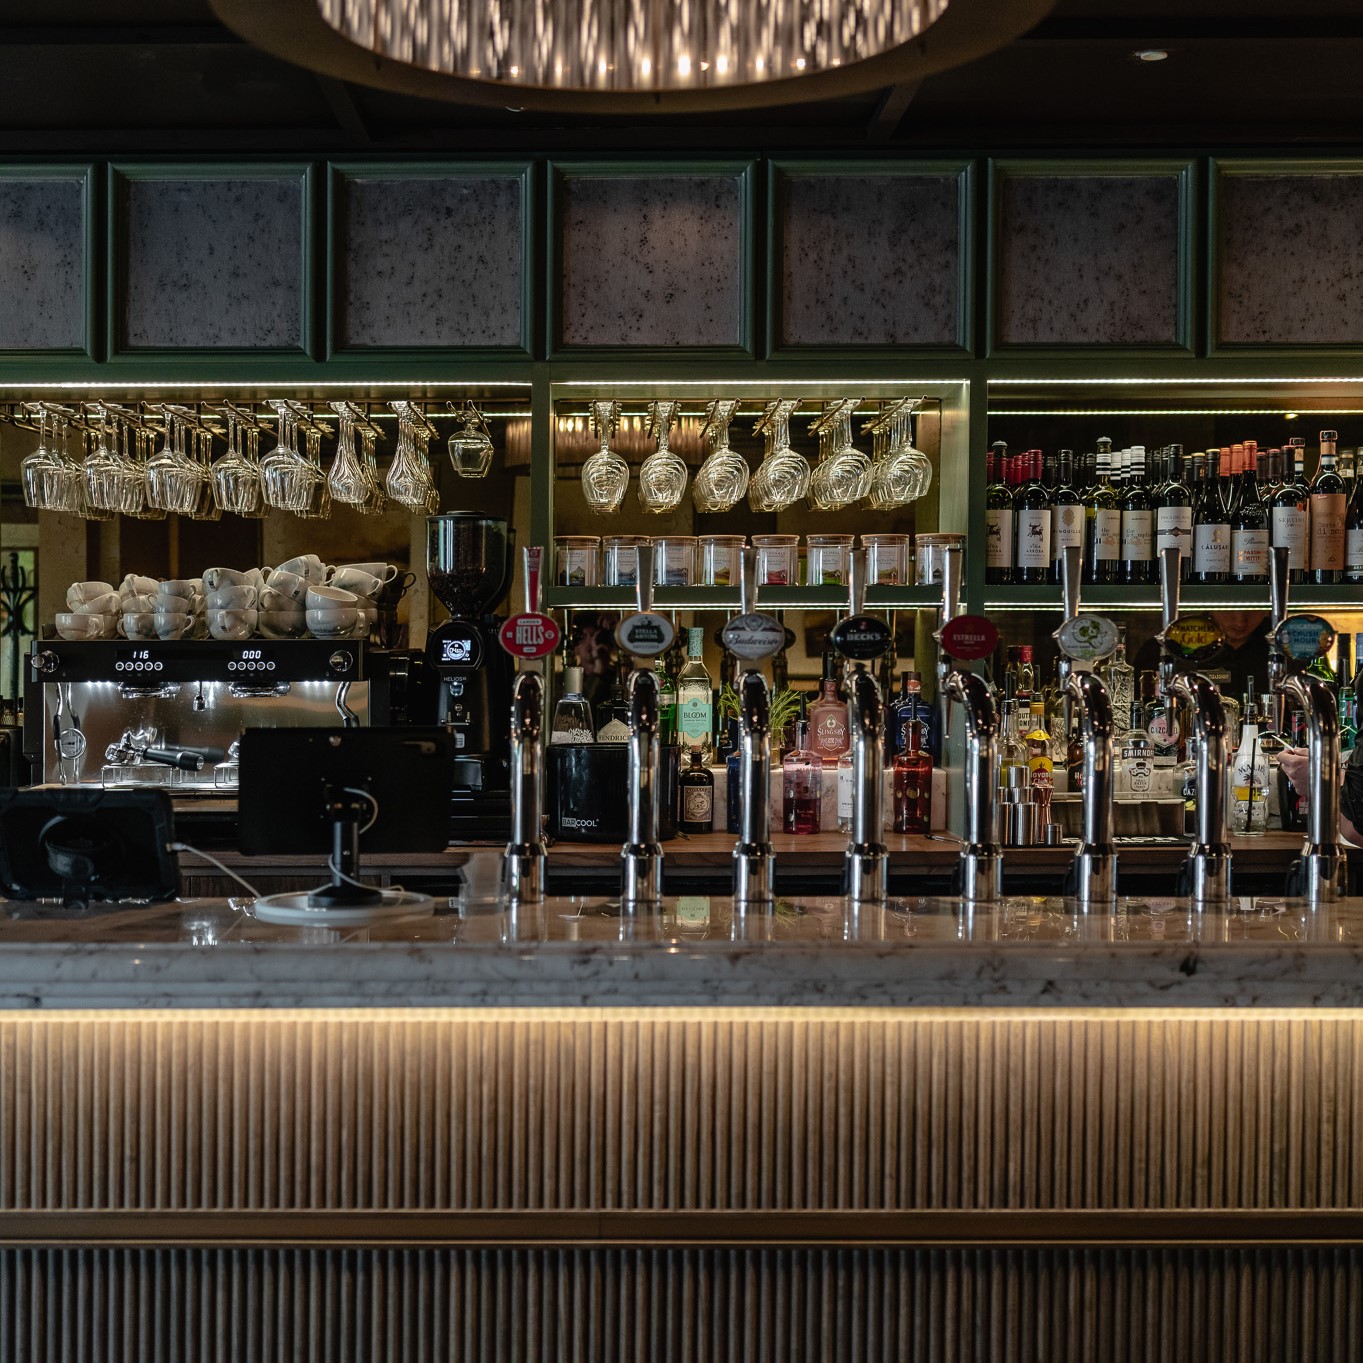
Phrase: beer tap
[1321,873]
[1186,644]
[523,863]
[951,605]
[981,856]
[1279,562]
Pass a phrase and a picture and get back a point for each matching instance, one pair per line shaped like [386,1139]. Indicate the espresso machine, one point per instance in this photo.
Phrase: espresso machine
[468,675]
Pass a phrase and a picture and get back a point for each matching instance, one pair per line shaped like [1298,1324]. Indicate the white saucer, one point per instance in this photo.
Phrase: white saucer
[293,910]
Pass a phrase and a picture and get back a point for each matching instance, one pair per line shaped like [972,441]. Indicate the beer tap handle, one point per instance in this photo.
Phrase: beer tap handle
[532,556]
[1169,568]
[1073,572]
[856,581]
[1279,562]
[747,582]
[643,577]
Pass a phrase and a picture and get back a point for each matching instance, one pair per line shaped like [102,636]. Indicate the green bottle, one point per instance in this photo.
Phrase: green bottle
[667,701]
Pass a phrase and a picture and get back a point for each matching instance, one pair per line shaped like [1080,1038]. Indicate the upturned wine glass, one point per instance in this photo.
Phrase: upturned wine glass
[605,476]
[663,475]
[722,479]
[236,478]
[843,475]
[782,478]
[470,447]
[409,481]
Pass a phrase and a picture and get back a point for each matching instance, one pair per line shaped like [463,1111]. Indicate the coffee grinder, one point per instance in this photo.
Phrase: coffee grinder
[469,564]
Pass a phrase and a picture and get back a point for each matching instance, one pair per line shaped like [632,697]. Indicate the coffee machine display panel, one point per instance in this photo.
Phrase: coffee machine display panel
[293,660]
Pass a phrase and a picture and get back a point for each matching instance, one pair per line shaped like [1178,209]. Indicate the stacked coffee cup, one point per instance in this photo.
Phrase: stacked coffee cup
[283,600]
[231,595]
[92,611]
[177,609]
[345,606]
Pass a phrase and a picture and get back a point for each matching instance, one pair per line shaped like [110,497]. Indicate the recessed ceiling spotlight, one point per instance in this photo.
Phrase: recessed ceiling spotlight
[1151,54]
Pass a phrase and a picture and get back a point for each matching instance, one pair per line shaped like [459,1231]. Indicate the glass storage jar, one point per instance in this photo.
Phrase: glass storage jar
[930,556]
[622,559]
[721,560]
[674,560]
[777,560]
[826,560]
[887,560]
[577,560]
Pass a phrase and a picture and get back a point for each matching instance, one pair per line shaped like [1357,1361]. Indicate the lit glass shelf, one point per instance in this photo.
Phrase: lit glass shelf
[1191,596]
[726,598]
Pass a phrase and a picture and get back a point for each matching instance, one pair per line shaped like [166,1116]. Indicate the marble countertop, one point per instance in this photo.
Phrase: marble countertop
[583,952]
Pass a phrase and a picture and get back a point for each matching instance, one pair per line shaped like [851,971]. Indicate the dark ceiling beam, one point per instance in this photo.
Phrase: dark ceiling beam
[887,118]
[341,101]
[117,35]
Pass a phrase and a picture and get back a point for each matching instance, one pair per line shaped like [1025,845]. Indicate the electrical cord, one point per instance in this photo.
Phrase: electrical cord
[212,860]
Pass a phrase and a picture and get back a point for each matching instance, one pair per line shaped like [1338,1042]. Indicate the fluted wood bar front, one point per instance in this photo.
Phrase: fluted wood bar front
[917,1133]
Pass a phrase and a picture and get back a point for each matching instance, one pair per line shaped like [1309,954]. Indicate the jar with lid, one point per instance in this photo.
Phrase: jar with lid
[777,560]
[930,552]
[674,560]
[577,560]
[826,560]
[622,559]
[721,560]
[887,560]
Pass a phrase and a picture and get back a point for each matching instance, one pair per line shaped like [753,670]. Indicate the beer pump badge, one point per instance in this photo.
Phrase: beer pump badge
[1193,639]
[645,634]
[1304,638]
[861,637]
[530,635]
[1088,638]
[754,636]
[968,638]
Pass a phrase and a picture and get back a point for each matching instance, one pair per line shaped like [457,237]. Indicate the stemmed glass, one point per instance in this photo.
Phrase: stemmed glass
[843,474]
[376,501]
[317,498]
[348,479]
[285,476]
[470,447]
[663,475]
[140,458]
[206,506]
[236,478]
[409,481]
[173,478]
[605,476]
[900,473]
[111,484]
[52,480]
[783,476]
[722,479]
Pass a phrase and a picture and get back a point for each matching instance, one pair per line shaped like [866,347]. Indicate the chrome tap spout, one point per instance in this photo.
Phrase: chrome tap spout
[1324,873]
[642,857]
[523,864]
[981,856]
[867,860]
[754,858]
[1095,862]
[1209,857]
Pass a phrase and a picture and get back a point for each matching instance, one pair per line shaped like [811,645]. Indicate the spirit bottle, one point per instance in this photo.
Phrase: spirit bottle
[913,784]
[1249,783]
[572,721]
[828,717]
[1120,679]
[801,785]
[696,790]
[667,702]
[613,721]
[696,698]
[910,706]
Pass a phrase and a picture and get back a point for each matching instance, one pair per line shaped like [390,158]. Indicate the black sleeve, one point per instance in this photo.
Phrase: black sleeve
[1351,802]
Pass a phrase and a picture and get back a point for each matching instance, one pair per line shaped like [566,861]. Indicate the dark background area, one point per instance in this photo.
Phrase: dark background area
[117,76]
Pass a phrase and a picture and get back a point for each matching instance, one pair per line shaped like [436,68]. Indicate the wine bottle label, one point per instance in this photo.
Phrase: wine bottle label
[1211,549]
[1174,530]
[1067,528]
[1249,553]
[698,804]
[998,541]
[845,793]
[1327,531]
[1136,535]
[1107,536]
[1291,529]
[1353,554]
[1034,538]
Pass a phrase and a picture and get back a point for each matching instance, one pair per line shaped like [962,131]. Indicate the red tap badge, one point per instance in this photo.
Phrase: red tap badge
[530,636]
[968,637]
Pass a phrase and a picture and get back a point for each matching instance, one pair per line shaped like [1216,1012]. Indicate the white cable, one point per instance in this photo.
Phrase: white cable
[397,891]
[226,870]
[373,804]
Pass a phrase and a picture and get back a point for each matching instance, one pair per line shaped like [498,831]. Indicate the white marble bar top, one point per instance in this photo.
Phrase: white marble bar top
[582,952]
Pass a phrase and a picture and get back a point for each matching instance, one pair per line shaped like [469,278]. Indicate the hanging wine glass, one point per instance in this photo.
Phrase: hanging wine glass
[663,475]
[375,501]
[171,474]
[605,476]
[900,473]
[347,479]
[206,506]
[722,479]
[284,476]
[316,493]
[251,453]
[236,479]
[140,458]
[782,478]
[104,475]
[843,474]
[409,476]
[470,447]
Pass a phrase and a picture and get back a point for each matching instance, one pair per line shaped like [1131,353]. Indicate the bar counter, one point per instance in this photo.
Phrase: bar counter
[584,952]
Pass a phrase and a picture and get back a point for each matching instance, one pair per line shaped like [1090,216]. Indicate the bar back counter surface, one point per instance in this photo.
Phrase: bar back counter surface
[905,1132]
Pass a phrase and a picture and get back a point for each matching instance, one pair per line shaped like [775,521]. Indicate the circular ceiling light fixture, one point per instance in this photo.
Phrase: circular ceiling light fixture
[1151,54]
[630,56]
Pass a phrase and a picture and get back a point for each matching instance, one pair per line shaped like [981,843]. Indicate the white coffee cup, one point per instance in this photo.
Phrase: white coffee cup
[232,624]
[133,585]
[138,625]
[173,624]
[305,565]
[292,585]
[139,601]
[385,572]
[231,598]
[329,598]
[282,624]
[338,623]
[74,626]
[215,578]
[183,587]
[78,593]
[174,605]
[272,600]
[108,604]
[354,579]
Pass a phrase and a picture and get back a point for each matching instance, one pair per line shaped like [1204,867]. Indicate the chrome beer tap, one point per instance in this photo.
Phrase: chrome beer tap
[1321,873]
[981,856]
[1187,644]
[1095,859]
[642,855]
[950,608]
[523,864]
[1279,563]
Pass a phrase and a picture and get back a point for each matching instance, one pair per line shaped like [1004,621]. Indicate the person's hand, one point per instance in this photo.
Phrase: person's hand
[1293,762]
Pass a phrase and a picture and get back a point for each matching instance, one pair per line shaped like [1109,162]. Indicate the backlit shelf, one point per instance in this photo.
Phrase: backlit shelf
[1192,596]
[726,598]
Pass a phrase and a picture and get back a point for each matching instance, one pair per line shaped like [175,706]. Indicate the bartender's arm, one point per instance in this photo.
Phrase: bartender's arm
[1294,764]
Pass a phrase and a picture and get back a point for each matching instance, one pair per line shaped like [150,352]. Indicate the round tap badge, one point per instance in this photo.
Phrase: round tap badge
[1088,638]
[753,637]
[1194,639]
[861,637]
[1304,638]
[530,636]
[645,635]
[968,637]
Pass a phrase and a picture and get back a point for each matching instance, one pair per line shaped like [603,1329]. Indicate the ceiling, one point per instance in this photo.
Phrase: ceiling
[93,77]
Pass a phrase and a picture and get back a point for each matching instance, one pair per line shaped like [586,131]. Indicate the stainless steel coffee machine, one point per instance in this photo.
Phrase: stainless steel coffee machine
[168,713]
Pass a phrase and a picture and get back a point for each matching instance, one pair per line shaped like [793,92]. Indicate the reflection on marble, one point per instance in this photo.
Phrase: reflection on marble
[42,263]
[583,951]
[1290,259]
[1088,260]
[651,260]
[431,262]
[213,263]
[870,260]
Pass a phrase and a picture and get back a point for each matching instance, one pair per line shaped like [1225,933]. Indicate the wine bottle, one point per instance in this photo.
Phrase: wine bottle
[1032,560]
[1290,521]
[1102,521]
[1174,514]
[1353,534]
[1137,524]
[1067,516]
[1249,530]
[998,517]
[1327,504]
[1211,528]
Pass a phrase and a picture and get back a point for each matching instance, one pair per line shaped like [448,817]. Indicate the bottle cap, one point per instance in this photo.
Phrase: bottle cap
[572,679]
